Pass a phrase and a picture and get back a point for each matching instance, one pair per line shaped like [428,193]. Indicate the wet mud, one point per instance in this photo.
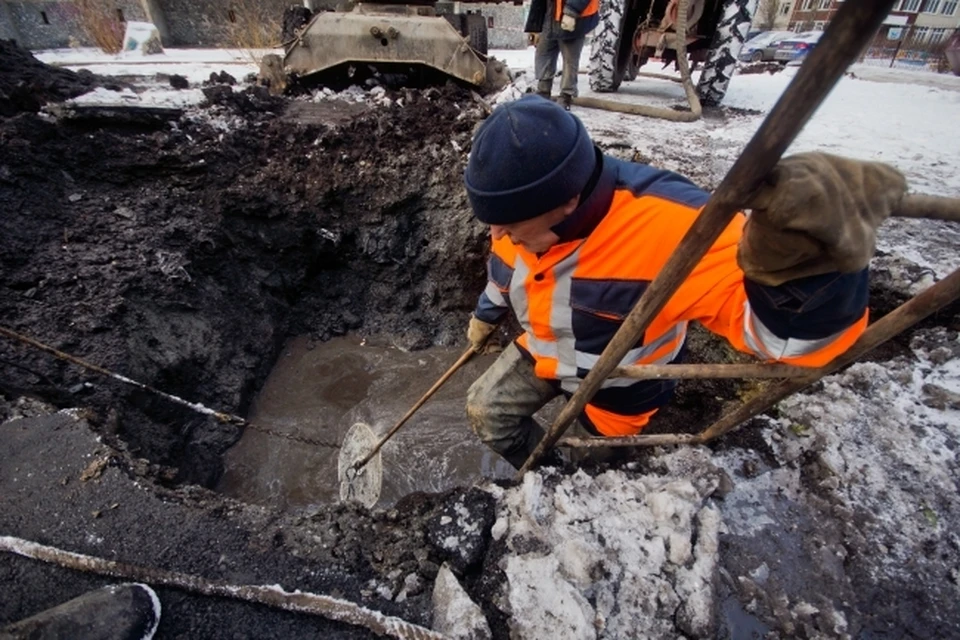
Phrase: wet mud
[187,256]
[319,390]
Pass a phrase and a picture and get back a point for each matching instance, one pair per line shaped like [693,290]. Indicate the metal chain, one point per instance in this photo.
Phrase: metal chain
[316,442]
[199,408]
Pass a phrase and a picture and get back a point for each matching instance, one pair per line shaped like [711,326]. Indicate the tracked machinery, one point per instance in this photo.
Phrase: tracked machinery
[410,43]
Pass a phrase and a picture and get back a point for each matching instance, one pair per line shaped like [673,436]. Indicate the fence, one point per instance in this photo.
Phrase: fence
[911,47]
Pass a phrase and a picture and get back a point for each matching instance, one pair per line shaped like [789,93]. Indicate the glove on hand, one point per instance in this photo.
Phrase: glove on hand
[478,332]
[568,23]
[816,213]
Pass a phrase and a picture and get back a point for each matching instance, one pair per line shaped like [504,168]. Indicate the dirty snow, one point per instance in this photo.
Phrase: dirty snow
[455,615]
[618,555]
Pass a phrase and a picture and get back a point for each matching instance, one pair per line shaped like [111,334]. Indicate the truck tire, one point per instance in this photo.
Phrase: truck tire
[721,62]
[476,32]
[604,72]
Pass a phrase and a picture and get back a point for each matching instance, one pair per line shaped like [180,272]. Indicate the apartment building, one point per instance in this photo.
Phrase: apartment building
[927,20]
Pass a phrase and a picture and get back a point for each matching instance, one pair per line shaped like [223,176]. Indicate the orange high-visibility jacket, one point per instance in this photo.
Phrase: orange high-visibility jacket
[577,8]
[571,300]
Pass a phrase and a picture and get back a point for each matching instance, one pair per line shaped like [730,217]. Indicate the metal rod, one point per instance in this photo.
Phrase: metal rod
[439,383]
[270,595]
[848,33]
[903,317]
[196,406]
[709,371]
[652,440]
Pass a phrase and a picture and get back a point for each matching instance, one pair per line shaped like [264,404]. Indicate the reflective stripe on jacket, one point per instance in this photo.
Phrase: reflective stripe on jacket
[571,300]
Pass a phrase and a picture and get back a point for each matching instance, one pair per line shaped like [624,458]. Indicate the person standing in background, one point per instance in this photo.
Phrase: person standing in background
[562,26]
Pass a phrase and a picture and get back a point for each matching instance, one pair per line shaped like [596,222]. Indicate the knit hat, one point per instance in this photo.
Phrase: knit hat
[528,157]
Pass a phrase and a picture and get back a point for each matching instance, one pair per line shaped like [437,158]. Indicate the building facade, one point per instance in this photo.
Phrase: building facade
[932,19]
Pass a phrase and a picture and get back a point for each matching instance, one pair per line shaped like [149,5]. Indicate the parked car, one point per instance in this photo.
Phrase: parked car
[762,47]
[795,48]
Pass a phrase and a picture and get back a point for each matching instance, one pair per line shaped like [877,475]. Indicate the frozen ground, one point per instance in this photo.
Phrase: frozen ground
[841,521]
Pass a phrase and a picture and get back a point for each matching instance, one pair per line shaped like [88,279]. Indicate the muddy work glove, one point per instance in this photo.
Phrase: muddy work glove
[815,214]
[568,23]
[478,333]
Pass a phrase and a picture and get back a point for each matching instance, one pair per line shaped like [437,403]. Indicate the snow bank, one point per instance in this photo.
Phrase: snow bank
[619,555]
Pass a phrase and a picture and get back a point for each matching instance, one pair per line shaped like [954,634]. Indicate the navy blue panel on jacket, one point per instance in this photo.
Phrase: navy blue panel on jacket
[811,308]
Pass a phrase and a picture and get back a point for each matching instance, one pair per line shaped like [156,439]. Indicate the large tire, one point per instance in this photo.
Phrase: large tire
[476,32]
[721,62]
[604,72]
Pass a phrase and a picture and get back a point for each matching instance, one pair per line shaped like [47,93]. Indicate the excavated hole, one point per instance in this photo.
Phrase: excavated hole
[194,259]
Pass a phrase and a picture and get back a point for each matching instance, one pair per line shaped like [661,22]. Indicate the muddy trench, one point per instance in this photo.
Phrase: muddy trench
[184,258]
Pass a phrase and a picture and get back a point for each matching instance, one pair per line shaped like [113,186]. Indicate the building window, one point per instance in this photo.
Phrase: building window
[785,9]
[920,34]
[807,5]
[910,6]
[824,4]
[949,8]
[938,35]
[489,22]
[931,6]
[819,25]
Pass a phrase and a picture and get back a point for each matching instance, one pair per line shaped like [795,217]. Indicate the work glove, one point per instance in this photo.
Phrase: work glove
[533,39]
[816,213]
[568,23]
[478,332]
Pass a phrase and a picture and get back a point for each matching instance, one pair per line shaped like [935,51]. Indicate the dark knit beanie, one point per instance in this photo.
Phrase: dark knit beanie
[528,157]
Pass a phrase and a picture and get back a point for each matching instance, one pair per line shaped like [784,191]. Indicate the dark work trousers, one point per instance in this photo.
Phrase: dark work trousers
[501,404]
[545,62]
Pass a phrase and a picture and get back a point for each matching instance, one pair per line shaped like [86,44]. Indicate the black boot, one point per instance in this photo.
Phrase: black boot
[565,101]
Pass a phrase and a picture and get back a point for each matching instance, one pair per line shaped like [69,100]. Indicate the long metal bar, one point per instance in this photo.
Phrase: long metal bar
[848,33]
[709,371]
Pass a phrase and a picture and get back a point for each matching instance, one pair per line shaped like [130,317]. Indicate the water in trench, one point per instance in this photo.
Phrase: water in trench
[320,391]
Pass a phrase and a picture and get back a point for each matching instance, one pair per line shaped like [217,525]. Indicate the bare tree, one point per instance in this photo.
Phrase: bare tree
[767,13]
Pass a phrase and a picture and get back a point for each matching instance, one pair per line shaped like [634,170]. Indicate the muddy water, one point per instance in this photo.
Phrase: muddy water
[319,391]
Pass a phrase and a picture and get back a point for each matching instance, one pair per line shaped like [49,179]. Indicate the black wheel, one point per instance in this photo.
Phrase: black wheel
[721,62]
[605,72]
[476,32]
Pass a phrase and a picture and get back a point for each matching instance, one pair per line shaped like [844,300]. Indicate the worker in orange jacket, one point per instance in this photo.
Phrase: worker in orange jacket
[577,236]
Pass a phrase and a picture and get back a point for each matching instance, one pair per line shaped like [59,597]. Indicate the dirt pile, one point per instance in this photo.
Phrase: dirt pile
[182,257]
[26,84]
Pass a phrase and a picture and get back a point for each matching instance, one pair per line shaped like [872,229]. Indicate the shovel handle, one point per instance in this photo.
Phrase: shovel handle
[439,383]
